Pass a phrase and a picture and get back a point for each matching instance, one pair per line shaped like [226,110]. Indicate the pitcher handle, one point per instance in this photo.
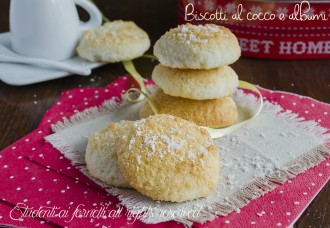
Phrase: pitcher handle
[94,14]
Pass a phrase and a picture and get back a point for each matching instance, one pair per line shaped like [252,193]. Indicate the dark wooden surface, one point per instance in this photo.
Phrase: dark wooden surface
[19,114]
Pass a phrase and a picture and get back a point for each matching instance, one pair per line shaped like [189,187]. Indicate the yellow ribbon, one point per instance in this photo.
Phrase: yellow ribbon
[130,68]
[149,56]
[220,132]
[150,101]
[214,132]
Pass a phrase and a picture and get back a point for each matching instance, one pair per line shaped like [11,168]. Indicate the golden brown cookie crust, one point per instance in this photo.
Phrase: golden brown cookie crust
[197,47]
[170,159]
[101,155]
[210,113]
[113,42]
[196,84]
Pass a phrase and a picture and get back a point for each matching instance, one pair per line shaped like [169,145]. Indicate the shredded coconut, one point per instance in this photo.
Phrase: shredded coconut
[191,155]
[171,141]
[202,162]
[188,33]
[211,28]
[202,150]
[131,142]
[151,141]
[138,159]
[184,29]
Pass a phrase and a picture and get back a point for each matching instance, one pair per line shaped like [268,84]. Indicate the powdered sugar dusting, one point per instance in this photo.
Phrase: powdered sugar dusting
[202,162]
[154,139]
[191,155]
[197,33]
[211,28]
[115,31]
[202,150]
[130,143]
[151,141]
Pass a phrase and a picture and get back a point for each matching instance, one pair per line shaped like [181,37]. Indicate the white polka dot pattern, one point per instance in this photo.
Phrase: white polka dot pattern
[34,173]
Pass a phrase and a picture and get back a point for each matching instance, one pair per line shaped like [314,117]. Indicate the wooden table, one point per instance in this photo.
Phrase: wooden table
[21,108]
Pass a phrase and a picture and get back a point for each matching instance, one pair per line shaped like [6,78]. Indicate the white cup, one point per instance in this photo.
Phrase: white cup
[49,29]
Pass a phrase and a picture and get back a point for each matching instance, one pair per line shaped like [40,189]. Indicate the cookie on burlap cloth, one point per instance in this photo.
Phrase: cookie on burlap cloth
[169,159]
[101,156]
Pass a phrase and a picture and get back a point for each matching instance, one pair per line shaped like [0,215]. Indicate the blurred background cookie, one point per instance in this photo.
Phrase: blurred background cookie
[113,42]
[197,47]
[210,113]
[101,156]
[196,84]
[170,159]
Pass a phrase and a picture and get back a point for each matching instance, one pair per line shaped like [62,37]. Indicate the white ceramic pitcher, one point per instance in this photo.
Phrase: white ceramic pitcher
[49,29]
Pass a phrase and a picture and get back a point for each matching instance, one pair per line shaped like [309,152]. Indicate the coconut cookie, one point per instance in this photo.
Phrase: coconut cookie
[169,159]
[197,47]
[196,84]
[209,113]
[101,156]
[113,42]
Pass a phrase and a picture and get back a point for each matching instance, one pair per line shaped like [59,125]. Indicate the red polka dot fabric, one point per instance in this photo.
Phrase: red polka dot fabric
[40,188]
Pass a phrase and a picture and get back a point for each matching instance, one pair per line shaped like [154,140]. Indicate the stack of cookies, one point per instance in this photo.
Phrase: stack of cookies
[194,79]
